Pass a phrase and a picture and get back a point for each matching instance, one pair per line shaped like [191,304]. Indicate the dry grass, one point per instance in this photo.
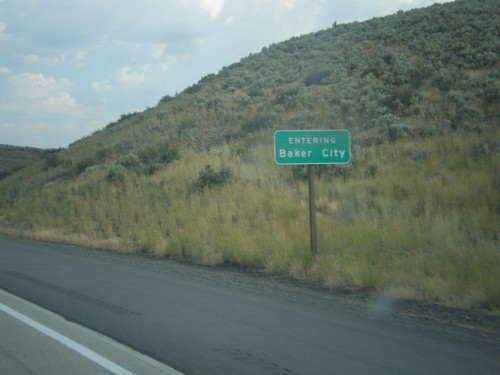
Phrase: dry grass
[425,229]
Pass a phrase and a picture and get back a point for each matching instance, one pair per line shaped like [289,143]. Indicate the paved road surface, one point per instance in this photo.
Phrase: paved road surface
[216,321]
[35,341]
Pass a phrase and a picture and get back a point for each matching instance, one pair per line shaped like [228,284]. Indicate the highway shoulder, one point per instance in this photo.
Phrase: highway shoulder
[37,341]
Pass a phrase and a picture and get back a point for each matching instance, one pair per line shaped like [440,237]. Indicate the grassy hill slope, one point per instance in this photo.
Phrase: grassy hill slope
[13,158]
[416,212]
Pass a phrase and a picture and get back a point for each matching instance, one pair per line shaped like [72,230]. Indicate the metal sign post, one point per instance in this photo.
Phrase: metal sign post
[312,211]
[312,147]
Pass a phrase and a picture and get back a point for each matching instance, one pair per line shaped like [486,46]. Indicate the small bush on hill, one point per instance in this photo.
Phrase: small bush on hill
[316,77]
[372,169]
[258,122]
[208,178]
[94,168]
[167,153]
[53,160]
[129,161]
[84,163]
[103,153]
[397,131]
[116,173]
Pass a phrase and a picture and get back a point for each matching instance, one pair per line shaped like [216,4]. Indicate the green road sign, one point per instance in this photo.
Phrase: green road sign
[312,147]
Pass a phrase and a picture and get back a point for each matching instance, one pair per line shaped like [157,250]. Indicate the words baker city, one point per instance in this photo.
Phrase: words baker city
[327,151]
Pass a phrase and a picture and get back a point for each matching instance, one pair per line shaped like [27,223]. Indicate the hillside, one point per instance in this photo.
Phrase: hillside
[13,158]
[415,213]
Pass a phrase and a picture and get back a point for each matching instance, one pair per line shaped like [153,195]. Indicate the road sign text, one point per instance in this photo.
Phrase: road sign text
[312,147]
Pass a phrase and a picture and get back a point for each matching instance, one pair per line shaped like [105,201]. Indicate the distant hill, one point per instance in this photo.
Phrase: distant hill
[416,212]
[13,158]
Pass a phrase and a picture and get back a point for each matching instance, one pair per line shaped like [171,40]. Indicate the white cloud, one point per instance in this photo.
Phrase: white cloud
[31,59]
[36,85]
[289,5]
[42,112]
[64,100]
[28,59]
[4,70]
[159,51]
[129,76]
[212,7]
[80,56]
[102,86]
[40,95]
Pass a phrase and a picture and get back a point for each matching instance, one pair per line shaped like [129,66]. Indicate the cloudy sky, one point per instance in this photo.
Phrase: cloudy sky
[69,67]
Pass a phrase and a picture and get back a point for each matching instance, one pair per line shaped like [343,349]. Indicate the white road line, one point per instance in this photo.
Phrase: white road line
[87,353]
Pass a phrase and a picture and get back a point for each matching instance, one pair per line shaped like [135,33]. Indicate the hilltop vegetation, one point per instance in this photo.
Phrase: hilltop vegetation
[416,212]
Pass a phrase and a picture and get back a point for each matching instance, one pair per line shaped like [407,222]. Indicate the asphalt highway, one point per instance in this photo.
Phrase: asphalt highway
[202,320]
[35,341]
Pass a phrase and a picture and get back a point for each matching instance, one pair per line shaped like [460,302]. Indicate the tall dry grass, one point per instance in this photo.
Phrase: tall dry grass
[424,226]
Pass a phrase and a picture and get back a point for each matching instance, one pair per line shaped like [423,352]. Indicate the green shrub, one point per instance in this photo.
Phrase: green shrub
[103,153]
[383,121]
[372,169]
[186,127]
[208,177]
[193,88]
[167,153]
[256,90]
[444,78]
[53,160]
[93,169]
[151,169]
[258,122]
[116,173]
[84,163]
[129,161]
[316,77]
[486,147]
[421,156]
[165,99]
[397,131]
[164,154]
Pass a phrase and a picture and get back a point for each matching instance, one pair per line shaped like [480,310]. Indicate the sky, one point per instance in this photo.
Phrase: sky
[70,67]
